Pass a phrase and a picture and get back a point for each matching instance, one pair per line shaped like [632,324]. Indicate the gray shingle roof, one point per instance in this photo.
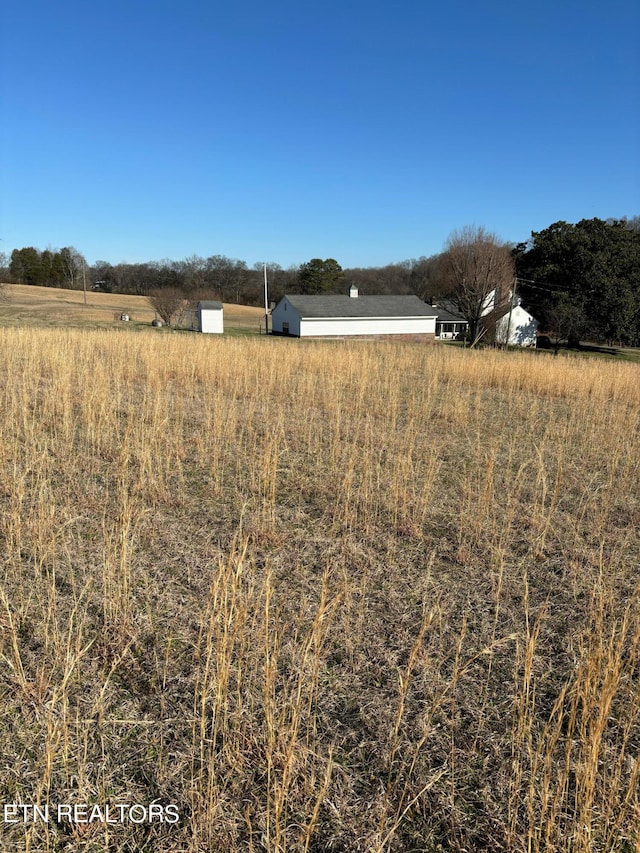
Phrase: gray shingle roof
[448,316]
[360,306]
[447,305]
[210,305]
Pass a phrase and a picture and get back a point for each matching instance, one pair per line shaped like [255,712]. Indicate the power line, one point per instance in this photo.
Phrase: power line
[547,286]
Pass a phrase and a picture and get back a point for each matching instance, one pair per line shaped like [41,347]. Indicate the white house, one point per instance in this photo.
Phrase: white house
[514,326]
[210,317]
[328,315]
[517,327]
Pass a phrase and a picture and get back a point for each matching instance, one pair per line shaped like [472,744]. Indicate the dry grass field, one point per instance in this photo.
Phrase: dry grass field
[319,597]
[53,307]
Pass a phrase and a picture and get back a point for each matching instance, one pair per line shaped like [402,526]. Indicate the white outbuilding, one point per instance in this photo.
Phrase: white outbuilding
[210,317]
[329,315]
[514,326]
[517,328]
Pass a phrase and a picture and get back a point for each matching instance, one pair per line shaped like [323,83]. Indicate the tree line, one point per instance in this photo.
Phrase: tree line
[218,276]
[579,280]
[50,268]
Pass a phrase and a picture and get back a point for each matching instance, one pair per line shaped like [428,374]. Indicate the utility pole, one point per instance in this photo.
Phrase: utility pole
[266,303]
[513,299]
[84,280]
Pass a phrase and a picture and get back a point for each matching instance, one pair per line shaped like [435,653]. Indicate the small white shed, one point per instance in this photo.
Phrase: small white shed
[210,319]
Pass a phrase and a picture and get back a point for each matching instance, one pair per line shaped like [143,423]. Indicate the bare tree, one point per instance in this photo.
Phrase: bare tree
[4,275]
[227,276]
[73,264]
[477,273]
[169,302]
[194,273]
[424,276]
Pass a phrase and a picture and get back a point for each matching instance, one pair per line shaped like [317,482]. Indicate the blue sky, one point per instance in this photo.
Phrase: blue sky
[282,131]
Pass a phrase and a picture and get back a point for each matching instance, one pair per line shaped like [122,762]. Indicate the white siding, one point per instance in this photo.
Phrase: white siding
[367,326]
[284,312]
[522,329]
[210,321]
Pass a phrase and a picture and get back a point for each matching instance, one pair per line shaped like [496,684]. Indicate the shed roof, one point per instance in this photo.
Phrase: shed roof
[326,305]
[210,305]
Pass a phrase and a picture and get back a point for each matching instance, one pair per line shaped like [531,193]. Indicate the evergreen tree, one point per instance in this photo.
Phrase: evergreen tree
[318,276]
[595,264]
[26,266]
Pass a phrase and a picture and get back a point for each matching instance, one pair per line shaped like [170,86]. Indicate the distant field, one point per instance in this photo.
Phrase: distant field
[51,306]
[321,597]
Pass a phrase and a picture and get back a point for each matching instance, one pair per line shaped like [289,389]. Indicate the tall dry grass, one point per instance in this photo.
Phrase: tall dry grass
[365,597]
